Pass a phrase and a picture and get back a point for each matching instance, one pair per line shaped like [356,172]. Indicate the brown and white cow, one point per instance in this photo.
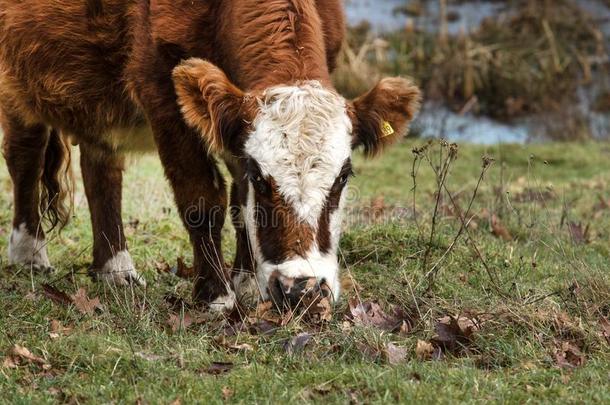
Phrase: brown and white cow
[247,81]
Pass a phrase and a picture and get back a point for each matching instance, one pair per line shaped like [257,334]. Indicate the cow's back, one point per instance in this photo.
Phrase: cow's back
[62,62]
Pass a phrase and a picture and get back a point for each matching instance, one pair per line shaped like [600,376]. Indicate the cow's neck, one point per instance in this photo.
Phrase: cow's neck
[274,42]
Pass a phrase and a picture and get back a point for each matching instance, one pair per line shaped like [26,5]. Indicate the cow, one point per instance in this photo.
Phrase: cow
[244,82]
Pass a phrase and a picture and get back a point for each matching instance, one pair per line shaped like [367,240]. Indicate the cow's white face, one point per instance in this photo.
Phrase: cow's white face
[294,143]
[298,164]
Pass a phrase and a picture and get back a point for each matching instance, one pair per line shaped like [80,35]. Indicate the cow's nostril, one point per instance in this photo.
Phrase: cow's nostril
[289,292]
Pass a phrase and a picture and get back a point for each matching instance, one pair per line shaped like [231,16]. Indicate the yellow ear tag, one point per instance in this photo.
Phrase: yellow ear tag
[386,129]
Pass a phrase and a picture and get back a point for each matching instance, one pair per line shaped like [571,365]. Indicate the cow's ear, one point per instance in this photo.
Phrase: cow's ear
[211,104]
[382,115]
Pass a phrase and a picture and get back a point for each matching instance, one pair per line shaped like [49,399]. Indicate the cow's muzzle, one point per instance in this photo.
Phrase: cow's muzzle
[286,292]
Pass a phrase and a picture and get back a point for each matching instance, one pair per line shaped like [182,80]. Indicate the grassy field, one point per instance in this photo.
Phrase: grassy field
[526,282]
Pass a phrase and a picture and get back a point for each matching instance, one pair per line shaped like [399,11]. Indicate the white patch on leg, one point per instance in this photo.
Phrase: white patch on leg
[120,271]
[27,250]
[223,303]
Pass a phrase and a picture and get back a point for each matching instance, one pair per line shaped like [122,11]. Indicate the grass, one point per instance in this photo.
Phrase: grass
[550,286]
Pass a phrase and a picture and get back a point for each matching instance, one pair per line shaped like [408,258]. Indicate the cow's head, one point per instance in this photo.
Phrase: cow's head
[293,144]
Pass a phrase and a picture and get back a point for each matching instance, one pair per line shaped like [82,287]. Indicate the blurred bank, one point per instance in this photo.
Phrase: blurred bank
[491,71]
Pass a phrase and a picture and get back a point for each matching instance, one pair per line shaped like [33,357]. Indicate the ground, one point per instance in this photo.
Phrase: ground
[527,285]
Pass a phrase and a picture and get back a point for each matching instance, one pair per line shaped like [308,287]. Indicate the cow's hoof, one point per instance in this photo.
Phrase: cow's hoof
[119,271]
[42,268]
[246,289]
[28,251]
[224,303]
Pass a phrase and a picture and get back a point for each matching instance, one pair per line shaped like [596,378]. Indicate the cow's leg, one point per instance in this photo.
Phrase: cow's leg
[243,276]
[24,150]
[103,176]
[201,197]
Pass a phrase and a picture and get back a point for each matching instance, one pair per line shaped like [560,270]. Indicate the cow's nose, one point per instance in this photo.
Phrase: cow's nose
[289,292]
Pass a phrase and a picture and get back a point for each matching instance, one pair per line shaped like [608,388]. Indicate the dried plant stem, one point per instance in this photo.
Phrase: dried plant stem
[431,275]
[441,176]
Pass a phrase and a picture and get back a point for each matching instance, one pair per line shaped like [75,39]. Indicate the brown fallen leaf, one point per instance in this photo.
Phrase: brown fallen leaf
[10,362]
[265,311]
[499,230]
[297,343]
[371,314]
[177,322]
[424,350]
[568,355]
[218,367]
[55,295]
[19,354]
[318,307]
[84,304]
[454,333]
[56,329]
[395,355]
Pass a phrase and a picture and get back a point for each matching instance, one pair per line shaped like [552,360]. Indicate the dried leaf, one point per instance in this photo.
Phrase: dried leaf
[424,350]
[217,368]
[263,328]
[371,314]
[10,362]
[84,304]
[56,329]
[319,308]
[297,343]
[499,230]
[568,355]
[395,355]
[177,322]
[20,353]
[265,311]
[58,297]
[453,333]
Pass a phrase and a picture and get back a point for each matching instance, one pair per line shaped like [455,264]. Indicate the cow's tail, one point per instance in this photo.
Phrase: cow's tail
[56,200]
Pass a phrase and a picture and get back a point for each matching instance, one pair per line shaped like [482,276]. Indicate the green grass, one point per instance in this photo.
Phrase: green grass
[127,352]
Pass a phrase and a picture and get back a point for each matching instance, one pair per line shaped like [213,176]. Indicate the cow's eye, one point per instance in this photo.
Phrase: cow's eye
[342,179]
[261,185]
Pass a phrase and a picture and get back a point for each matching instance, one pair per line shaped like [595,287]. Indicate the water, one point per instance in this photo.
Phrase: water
[382,16]
[440,122]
